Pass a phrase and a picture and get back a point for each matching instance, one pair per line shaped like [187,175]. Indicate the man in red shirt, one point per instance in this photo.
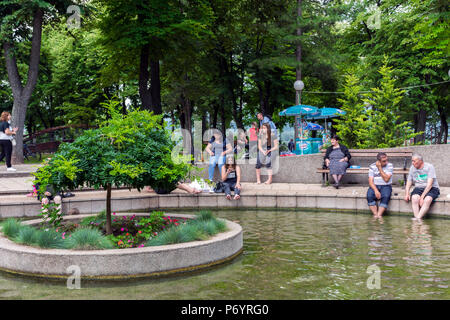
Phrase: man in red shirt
[253,141]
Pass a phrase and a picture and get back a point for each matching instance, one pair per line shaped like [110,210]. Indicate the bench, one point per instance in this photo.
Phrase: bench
[372,154]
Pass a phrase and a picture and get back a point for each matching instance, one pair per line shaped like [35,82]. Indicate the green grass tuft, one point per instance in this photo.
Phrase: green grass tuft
[204,215]
[49,239]
[201,228]
[26,235]
[88,239]
[11,227]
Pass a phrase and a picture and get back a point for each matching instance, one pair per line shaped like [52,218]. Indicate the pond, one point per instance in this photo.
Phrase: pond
[294,255]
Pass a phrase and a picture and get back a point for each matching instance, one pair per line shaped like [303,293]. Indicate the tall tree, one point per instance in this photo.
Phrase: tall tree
[22,21]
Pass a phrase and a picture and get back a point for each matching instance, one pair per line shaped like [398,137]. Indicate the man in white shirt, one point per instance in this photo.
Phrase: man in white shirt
[380,182]
[426,187]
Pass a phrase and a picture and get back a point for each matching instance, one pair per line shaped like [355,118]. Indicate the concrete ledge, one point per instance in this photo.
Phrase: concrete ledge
[121,263]
[249,199]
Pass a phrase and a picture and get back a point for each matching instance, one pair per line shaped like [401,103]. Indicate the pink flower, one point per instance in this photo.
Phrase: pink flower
[122,229]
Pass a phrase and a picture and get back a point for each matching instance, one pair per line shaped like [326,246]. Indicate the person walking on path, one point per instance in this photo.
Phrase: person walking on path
[337,159]
[380,185]
[231,177]
[6,137]
[426,187]
[267,143]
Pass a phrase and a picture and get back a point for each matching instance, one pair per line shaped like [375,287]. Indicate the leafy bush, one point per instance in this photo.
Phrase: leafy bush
[132,150]
[99,220]
[11,227]
[51,215]
[88,239]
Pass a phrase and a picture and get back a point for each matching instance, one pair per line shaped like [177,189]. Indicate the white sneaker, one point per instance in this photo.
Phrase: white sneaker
[11,169]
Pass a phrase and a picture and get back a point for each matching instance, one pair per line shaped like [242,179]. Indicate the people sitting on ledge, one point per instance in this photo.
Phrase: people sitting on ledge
[231,177]
[337,159]
[380,185]
[426,187]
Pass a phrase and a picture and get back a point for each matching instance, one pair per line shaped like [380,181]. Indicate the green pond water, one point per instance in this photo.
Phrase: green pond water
[294,255]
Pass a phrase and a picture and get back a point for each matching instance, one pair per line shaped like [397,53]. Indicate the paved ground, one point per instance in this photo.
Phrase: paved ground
[13,188]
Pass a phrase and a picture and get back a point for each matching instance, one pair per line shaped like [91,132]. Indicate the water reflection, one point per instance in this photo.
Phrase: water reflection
[296,255]
[418,242]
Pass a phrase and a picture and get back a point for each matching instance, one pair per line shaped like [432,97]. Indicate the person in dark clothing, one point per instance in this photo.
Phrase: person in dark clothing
[337,159]
[231,177]
[6,137]
[291,145]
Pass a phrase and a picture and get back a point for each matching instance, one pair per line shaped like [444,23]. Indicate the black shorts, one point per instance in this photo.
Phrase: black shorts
[434,192]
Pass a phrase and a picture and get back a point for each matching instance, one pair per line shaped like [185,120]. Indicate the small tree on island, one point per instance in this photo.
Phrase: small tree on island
[132,150]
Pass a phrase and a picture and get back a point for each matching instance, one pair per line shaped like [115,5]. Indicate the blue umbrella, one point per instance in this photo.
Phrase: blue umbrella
[325,113]
[299,110]
[312,126]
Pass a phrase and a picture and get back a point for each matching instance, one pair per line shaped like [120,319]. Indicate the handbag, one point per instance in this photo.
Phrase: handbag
[13,142]
[219,188]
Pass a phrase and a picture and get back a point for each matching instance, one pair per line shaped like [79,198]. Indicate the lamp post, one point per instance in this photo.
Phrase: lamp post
[298,86]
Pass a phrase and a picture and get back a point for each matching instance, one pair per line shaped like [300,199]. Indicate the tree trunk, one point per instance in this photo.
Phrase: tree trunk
[144,78]
[443,132]
[149,81]
[215,115]
[223,116]
[420,121]
[108,209]
[22,94]
[155,87]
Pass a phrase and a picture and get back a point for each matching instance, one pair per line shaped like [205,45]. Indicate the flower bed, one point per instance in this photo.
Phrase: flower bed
[128,231]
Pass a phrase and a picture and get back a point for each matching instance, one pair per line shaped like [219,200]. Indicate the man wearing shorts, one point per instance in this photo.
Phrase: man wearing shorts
[426,187]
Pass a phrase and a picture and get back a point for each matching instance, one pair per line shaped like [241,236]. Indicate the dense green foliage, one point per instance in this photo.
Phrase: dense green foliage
[219,61]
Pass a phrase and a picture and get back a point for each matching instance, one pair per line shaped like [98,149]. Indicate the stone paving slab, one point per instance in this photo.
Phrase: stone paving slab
[23,170]
[351,198]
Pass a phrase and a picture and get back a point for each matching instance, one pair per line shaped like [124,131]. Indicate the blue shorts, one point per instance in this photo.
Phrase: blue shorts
[433,193]
[385,190]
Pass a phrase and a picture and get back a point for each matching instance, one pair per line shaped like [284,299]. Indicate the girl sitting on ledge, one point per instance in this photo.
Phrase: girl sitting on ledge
[231,177]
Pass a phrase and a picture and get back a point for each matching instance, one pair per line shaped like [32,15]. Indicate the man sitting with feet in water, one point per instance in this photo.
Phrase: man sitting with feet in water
[380,182]
[426,187]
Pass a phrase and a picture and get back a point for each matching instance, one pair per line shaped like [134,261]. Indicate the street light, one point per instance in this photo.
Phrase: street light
[298,86]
